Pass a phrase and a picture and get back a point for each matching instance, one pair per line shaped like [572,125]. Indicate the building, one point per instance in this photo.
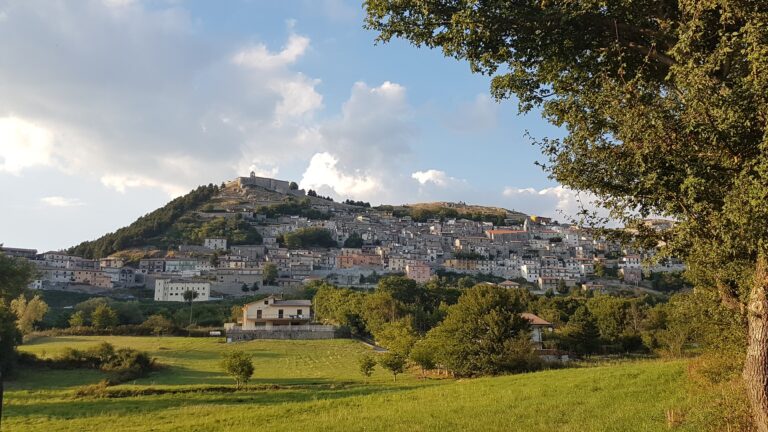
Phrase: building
[95,278]
[538,327]
[19,252]
[216,243]
[152,265]
[419,272]
[174,289]
[274,312]
[111,263]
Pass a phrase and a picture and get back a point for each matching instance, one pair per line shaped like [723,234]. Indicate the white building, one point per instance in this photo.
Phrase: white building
[174,289]
[215,243]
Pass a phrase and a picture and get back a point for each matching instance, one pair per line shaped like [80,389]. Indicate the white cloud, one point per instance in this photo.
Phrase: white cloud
[259,56]
[298,97]
[323,173]
[556,202]
[436,177]
[58,201]
[123,183]
[172,110]
[363,149]
[23,144]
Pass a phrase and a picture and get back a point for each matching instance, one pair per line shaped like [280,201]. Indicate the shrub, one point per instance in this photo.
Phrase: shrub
[238,365]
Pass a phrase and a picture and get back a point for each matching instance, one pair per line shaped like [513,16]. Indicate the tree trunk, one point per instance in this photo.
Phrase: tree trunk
[756,364]
[1,398]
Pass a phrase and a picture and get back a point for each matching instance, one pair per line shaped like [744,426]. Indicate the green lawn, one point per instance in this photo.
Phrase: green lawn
[321,390]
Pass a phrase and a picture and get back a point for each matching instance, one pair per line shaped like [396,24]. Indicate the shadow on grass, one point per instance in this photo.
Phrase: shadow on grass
[79,408]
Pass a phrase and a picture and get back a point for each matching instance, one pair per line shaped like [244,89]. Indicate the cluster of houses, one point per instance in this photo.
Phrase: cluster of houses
[535,250]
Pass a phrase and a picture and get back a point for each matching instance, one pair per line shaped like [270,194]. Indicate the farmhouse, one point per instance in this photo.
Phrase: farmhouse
[538,326]
[273,312]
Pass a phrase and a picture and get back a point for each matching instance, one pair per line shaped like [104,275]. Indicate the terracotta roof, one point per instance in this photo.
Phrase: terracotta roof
[535,319]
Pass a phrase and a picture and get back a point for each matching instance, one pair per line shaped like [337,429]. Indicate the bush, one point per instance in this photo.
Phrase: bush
[123,364]
[238,365]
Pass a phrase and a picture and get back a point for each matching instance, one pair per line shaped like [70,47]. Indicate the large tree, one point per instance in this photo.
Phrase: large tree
[665,104]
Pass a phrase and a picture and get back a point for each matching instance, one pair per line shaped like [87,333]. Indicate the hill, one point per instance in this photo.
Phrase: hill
[316,385]
[227,211]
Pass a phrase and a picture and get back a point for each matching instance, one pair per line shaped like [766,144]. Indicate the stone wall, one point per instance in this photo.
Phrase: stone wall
[238,336]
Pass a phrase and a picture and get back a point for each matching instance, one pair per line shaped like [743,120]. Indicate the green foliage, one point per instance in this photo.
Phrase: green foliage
[397,336]
[357,203]
[423,355]
[367,364]
[28,312]
[308,238]
[354,240]
[293,208]
[237,231]
[103,317]
[668,282]
[269,274]
[393,362]
[15,275]
[159,325]
[149,229]
[10,336]
[121,364]
[581,334]
[77,319]
[239,366]
[483,334]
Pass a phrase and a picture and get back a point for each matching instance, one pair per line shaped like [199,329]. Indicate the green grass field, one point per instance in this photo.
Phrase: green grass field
[320,389]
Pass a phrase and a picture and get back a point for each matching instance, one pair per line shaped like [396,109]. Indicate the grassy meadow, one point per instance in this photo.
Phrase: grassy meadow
[316,386]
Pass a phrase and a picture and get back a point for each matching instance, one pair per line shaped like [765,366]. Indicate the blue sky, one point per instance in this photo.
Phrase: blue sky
[108,108]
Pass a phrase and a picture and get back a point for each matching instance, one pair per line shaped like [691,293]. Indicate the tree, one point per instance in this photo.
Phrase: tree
[103,317]
[397,336]
[244,287]
[15,276]
[293,186]
[158,324]
[255,286]
[28,312]
[354,240]
[269,273]
[77,319]
[367,363]
[423,356]
[479,334]
[562,288]
[214,260]
[581,333]
[189,297]
[664,108]
[599,269]
[239,366]
[393,362]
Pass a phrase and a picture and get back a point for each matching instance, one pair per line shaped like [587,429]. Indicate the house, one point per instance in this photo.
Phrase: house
[419,272]
[174,289]
[509,284]
[216,243]
[274,312]
[538,327]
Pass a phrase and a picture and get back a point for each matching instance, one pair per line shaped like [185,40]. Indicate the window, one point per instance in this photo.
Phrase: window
[266,302]
[258,314]
[299,312]
[279,313]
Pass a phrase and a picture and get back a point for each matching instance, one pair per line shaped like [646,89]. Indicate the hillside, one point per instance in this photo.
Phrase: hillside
[317,385]
[226,211]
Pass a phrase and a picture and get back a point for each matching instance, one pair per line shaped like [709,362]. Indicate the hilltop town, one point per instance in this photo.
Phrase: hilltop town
[295,237]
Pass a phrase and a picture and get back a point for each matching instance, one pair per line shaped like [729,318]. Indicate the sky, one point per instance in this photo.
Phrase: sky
[110,108]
